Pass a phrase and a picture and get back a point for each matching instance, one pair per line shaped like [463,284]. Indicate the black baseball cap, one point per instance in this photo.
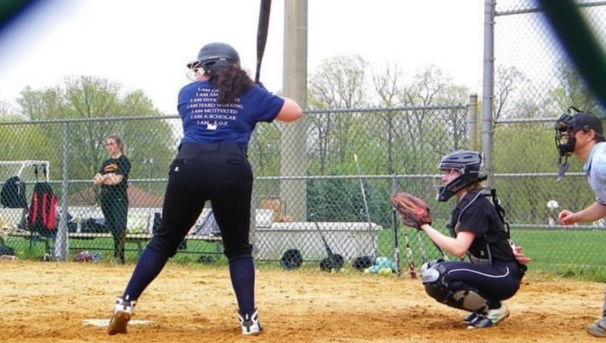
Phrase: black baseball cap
[586,122]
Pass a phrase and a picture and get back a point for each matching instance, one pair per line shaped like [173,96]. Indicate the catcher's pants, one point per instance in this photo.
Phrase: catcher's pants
[220,173]
[500,281]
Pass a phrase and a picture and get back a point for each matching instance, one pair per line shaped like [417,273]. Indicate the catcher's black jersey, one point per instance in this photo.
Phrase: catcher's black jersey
[474,213]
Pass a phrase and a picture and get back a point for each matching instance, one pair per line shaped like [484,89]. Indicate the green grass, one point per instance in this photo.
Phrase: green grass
[25,249]
[555,253]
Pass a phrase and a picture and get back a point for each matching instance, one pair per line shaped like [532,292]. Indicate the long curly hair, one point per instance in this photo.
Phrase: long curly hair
[231,81]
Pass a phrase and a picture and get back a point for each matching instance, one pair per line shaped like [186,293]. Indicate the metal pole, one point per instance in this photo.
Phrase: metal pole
[472,121]
[62,239]
[488,88]
[293,193]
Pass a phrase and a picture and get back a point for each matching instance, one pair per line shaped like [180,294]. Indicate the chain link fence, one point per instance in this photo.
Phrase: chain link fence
[353,160]
[327,179]
[534,83]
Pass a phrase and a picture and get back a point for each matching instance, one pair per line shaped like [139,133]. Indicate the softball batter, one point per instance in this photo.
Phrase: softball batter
[219,111]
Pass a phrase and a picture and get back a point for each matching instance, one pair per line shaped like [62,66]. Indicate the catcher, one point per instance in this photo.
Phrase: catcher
[477,229]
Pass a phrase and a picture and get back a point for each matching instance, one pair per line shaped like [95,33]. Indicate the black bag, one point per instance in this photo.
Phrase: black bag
[12,194]
[6,250]
[93,225]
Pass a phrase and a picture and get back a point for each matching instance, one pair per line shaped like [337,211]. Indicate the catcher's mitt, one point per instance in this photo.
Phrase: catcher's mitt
[413,210]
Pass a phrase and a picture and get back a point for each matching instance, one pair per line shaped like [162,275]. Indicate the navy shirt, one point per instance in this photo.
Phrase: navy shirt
[206,121]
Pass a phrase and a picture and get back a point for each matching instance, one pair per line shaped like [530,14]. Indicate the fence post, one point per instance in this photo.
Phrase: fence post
[61,241]
[472,121]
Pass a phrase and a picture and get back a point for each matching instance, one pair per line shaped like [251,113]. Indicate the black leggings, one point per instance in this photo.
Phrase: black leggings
[115,211]
[220,173]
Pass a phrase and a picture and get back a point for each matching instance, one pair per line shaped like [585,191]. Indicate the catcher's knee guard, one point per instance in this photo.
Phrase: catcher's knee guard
[464,297]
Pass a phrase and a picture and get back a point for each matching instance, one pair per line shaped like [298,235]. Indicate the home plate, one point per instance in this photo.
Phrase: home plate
[105,322]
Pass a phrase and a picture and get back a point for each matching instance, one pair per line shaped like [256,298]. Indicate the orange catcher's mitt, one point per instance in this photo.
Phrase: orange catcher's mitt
[413,210]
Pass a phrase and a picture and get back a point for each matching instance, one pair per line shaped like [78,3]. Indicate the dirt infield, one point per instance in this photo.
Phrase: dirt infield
[48,302]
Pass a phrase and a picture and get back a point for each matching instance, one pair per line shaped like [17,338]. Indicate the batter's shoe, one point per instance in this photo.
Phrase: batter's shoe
[250,323]
[122,313]
[597,328]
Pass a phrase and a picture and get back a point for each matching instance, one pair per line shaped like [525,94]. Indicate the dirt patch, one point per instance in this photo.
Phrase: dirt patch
[48,302]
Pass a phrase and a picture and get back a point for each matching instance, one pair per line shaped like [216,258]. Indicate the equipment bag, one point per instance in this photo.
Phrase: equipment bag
[12,194]
[42,210]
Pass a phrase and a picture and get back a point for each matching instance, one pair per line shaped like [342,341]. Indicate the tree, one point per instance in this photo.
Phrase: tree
[89,104]
[339,83]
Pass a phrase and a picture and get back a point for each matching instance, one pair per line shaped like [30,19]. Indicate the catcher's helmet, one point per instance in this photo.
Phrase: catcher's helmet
[214,57]
[470,166]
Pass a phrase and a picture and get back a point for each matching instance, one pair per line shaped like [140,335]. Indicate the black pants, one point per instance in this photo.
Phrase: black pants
[497,282]
[220,173]
[115,211]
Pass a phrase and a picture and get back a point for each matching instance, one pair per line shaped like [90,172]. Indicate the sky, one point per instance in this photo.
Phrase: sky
[145,45]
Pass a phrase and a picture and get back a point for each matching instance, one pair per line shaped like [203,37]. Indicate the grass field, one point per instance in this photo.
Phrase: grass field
[554,253]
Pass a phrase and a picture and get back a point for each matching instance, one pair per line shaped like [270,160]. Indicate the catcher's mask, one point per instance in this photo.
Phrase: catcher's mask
[213,57]
[471,170]
[566,127]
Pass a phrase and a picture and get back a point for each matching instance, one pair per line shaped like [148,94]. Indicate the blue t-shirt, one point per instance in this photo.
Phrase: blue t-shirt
[205,121]
[595,169]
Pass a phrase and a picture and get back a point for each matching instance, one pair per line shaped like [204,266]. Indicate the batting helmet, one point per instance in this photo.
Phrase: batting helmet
[327,265]
[471,169]
[291,259]
[214,57]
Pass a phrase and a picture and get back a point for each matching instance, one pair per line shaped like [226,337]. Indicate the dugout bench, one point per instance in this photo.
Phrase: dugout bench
[140,239]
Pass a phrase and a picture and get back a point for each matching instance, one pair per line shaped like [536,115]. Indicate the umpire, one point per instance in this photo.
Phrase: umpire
[219,111]
[582,135]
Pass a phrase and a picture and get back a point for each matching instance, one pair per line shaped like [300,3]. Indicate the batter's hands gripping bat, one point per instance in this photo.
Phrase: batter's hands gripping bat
[262,34]
[332,259]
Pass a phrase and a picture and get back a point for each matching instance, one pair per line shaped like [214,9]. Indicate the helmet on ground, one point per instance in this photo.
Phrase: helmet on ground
[291,259]
[470,166]
[214,57]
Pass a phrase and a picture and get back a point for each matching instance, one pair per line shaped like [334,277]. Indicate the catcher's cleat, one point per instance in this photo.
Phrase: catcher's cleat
[250,323]
[597,328]
[470,317]
[122,313]
[489,319]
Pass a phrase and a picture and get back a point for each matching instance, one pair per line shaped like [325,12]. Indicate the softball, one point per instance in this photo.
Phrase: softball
[385,271]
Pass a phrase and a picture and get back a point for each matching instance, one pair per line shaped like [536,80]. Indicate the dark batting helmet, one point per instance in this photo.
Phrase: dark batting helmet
[214,57]
[471,169]
[291,259]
